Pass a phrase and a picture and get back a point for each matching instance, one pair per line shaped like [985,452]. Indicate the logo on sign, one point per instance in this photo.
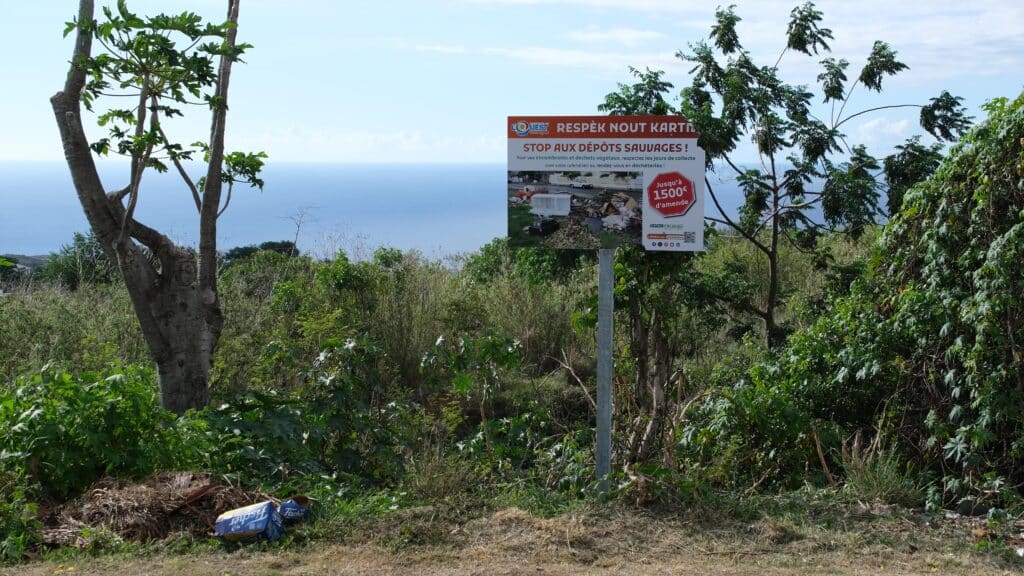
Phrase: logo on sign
[522,127]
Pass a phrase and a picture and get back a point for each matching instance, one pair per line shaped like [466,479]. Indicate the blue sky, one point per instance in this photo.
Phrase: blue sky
[432,81]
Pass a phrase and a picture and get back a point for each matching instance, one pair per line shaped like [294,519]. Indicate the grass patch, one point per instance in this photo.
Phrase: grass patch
[519,218]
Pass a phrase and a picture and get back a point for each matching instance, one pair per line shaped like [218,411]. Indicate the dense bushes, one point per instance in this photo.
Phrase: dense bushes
[320,367]
[65,431]
[82,262]
[85,330]
[61,432]
[19,527]
[901,366]
[925,352]
[334,422]
[949,287]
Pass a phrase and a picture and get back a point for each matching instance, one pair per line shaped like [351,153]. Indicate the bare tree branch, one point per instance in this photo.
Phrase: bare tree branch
[184,176]
[140,127]
[139,164]
[212,189]
[846,100]
[875,109]
[118,195]
[83,47]
[150,238]
[564,363]
[231,186]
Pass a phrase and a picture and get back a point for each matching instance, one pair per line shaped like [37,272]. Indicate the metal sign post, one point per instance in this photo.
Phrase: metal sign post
[605,313]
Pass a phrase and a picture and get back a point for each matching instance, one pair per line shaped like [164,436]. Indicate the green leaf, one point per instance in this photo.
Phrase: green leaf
[645,97]
[723,32]
[462,383]
[912,163]
[881,62]
[945,117]
[803,33]
[833,79]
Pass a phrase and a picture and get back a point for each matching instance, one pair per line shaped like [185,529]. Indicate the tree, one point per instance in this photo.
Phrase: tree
[731,98]
[911,164]
[928,347]
[238,253]
[173,288]
[539,265]
[645,97]
[650,288]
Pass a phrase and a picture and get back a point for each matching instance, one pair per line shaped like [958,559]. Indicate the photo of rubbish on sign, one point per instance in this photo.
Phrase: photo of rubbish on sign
[574,209]
[587,182]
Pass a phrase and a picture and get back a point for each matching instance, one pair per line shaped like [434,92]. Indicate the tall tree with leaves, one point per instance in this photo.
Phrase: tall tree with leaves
[646,96]
[805,161]
[650,289]
[158,65]
[912,163]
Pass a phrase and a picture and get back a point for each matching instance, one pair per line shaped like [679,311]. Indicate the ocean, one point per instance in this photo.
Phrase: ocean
[437,209]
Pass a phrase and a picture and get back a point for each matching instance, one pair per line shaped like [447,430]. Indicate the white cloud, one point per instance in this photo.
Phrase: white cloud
[441,48]
[884,126]
[306,144]
[644,5]
[605,60]
[570,58]
[624,36]
[938,39]
[881,134]
[611,60]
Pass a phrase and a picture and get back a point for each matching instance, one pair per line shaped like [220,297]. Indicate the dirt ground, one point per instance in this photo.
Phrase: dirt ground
[513,542]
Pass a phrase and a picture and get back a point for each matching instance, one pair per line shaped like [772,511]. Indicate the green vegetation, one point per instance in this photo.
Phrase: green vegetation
[66,431]
[519,218]
[80,263]
[414,393]
[144,73]
[805,161]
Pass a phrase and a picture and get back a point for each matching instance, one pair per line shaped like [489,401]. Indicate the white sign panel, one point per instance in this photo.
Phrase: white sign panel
[600,181]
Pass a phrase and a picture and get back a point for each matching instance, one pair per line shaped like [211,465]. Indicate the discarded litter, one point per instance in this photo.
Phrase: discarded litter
[166,506]
[259,521]
[294,509]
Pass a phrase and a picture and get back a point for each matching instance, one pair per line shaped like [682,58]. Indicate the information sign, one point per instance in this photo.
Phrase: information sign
[600,181]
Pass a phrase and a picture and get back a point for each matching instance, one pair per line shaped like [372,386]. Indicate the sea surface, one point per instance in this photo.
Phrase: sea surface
[437,209]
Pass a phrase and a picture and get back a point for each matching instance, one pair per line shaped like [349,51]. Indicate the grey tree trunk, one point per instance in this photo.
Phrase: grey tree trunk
[659,381]
[653,376]
[173,289]
[772,338]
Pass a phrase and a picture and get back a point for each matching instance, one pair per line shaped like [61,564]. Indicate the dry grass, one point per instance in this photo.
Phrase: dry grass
[599,539]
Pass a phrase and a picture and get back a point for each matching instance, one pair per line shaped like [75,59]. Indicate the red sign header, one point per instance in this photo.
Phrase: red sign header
[600,127]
